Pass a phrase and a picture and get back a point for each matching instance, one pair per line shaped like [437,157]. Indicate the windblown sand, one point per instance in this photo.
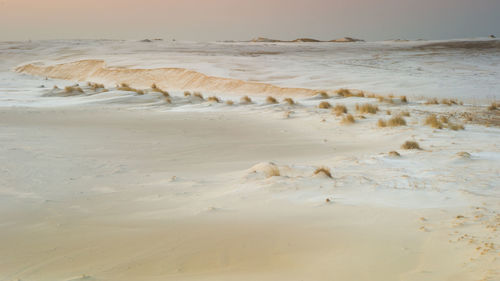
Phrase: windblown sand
[112,194]
[123,184]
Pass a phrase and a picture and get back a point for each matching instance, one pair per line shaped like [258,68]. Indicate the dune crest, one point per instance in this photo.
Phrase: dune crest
[167,78]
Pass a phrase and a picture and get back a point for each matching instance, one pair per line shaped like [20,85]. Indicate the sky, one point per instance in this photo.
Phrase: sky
[211,20]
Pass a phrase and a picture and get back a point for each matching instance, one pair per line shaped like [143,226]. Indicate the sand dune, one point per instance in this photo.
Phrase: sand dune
[169,78]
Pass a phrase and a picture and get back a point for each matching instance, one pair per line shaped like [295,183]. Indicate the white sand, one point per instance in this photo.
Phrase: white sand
[90,192]
[119,186]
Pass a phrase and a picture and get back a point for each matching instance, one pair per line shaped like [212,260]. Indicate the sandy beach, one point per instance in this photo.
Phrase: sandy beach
[129,183]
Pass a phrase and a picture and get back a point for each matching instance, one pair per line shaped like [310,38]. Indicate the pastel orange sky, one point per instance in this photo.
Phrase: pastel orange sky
[205,20]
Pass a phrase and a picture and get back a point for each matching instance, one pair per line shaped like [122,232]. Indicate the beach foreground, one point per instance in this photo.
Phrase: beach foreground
[113,194]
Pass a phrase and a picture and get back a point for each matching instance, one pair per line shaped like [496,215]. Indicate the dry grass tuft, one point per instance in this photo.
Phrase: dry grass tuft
[447,102]
[394,154]
[396,121]
[410,145]
[95,86]
[229,102]
[348,119]
[213,99]
[493,106]
[245,100]
[323,170]
[367,108]
[455,127]
[324,95]
[198,95]
[381,123]
[464,154]
[271,100]
[55,87]
[324,105]
[72,89]
[432,121]
[127,88]
[289,101]
[348,93]
[343,92]
[432,101]
[339,109]
[158,90]
[443,119]
[404,113]
[187,93]
[388,112]
[403,99]
[168,100]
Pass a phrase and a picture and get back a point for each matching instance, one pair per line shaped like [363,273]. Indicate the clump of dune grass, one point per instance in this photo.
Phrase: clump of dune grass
[493,106]
[324,105]
[339,109]
[343,92]
[271,100]
[348,119]
[158,90]
[348,93]
[455,127]
[432,121]
[410,145]
[289,101]
[198,95]
[95,86]
[323,95]
[72,89]
[323,170]
[404,113]
[127,88]
[388,112]
[443,119]
[245,100]
[55,87]
[213,99]
[168,100]
[464,154]
[396,121]
[432,101]
[394,154]
[367,108]
[446,101]
[187,93]
[381,123]
[403,99]
[229,102]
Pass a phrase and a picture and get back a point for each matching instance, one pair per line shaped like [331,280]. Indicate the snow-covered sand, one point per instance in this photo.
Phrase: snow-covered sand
[114,185]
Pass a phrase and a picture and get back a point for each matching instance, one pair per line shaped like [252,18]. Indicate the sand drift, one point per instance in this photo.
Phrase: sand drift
[171,78]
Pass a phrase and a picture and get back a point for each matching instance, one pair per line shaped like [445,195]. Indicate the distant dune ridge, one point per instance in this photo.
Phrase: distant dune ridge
[168,78]
[305,40]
